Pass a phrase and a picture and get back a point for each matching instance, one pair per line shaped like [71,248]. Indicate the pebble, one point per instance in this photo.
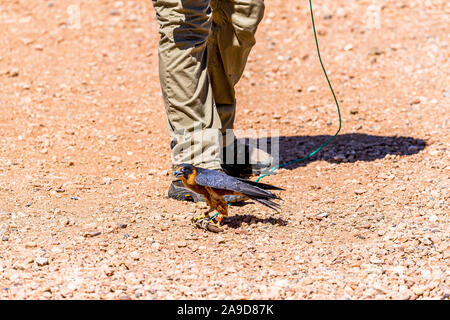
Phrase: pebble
[41,261]
[348,47]
[106,181]
[322,215]
[181,244]
[30,245]
[375,260]
[375,51]
[116,159]
[135,255]
[13,72]
[91,234]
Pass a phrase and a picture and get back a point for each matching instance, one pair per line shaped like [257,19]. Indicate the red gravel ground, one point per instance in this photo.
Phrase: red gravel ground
[84,157]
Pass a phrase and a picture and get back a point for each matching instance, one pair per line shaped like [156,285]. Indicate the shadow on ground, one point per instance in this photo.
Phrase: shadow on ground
[344,148]
[236,221]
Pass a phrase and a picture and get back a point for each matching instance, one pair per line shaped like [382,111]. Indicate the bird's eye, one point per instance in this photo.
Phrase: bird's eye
[182,169]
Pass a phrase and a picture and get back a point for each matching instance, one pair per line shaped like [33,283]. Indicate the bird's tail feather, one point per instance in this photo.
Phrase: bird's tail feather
[263,186]
[268,203]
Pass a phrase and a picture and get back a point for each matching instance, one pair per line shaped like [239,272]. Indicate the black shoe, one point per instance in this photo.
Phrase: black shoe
[178,191]
[247,160]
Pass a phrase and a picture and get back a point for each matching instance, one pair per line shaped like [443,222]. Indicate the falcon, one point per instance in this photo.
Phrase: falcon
[213,185]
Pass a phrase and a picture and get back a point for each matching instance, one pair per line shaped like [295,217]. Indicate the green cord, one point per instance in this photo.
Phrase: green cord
[335,100]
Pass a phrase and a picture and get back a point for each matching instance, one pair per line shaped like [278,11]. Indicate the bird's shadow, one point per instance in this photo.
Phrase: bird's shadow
[350,147]
[236,221]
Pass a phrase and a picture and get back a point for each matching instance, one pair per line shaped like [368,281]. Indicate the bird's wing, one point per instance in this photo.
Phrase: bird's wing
[219,180]
[260,185]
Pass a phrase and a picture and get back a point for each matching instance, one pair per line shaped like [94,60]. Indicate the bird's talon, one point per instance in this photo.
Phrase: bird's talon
[200,217]
[207,224]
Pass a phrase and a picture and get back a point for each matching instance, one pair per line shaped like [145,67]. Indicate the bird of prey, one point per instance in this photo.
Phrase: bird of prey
[213,185]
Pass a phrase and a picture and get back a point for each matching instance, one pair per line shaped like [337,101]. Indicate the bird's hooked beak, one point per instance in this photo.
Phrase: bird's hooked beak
[178,173]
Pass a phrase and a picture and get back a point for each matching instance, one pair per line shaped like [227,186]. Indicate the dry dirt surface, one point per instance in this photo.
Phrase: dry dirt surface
[84,157]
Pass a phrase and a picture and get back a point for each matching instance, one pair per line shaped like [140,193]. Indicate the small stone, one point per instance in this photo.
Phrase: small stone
[163,173]
[92,234]
[322,215]
[116,159]
[24,85]
[5,238]
[155,245]
[106,181]
[404,295]
[348,47]
[182,244]
[134,255]
[41,261]
[30,245]
[418,291]
[109,272]
[13,72]
[375,260]
[375,51]
[360,191]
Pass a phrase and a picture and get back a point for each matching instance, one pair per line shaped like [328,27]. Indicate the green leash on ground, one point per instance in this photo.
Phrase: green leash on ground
[335,100]
[337,106]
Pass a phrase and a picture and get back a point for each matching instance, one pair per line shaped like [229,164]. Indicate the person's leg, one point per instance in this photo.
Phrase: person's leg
[233,36]
[192,118]
[234,27]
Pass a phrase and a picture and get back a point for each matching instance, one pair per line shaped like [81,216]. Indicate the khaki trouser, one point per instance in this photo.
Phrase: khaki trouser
[203,50]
